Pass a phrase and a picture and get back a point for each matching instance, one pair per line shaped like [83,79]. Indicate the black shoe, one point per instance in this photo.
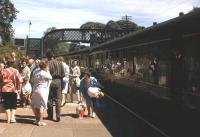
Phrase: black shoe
[58,120]
[49,118]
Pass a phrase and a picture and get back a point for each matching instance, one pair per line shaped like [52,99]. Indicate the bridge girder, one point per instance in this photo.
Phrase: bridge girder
[92,36]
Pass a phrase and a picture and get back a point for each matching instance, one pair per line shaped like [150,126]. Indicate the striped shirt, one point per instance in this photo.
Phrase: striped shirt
[10,80]
[56,69]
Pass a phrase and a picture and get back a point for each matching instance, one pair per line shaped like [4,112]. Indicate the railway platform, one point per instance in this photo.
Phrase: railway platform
[111,120]
[70,125]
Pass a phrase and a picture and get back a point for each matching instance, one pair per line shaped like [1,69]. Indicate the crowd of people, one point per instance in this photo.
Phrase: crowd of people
[42,83]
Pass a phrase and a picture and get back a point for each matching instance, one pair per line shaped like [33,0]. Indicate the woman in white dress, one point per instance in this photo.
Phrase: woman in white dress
[41,81]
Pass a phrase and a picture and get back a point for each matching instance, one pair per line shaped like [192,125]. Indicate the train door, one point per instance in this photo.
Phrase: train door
[131,59]
[90,61]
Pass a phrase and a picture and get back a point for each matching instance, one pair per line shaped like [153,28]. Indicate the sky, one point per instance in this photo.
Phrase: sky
[73,13]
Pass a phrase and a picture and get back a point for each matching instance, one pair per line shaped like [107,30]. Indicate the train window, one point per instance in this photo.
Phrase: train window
[106,54]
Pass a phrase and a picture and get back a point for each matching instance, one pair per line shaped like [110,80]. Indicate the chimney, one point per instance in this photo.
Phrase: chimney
[181,14]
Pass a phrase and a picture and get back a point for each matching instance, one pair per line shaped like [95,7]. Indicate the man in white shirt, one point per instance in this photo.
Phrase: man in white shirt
[75,80]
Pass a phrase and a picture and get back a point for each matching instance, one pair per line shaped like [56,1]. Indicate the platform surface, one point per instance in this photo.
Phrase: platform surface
[69,126]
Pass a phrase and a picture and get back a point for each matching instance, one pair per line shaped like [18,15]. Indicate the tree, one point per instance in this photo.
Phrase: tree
[61,48]
[7,49]
[196,9]
[83,46]
[49,30]
[129,25]
[93,25]
[8,14]
[120,24]
[73,47]
[112,25]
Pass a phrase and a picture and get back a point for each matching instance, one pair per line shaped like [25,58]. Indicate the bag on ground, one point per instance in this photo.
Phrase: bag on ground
[80,110]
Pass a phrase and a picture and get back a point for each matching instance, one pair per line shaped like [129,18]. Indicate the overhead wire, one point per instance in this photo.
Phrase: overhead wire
[176,4]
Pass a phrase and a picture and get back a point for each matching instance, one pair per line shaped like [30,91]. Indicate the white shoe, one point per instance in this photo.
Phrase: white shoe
[41,124]
[93,115]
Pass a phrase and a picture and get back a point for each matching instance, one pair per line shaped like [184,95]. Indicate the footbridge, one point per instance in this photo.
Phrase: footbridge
[38,47]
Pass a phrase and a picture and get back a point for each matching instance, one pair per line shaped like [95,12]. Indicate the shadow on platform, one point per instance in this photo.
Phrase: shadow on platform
[72,115]
[25,119]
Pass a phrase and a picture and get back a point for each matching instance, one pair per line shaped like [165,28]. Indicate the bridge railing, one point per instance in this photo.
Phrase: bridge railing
[38,47]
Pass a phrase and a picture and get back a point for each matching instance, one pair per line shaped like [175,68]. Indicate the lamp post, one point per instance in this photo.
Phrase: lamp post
[29,30]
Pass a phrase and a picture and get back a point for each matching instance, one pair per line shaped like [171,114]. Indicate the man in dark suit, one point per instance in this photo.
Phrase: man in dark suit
[57,72]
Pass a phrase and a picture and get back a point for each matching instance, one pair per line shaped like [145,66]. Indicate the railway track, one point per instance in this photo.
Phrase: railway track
[162,118]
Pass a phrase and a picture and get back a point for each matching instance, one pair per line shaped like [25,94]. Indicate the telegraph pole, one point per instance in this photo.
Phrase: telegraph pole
[127,19]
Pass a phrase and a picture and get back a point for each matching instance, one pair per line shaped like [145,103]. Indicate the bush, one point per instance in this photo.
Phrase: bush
[6,50]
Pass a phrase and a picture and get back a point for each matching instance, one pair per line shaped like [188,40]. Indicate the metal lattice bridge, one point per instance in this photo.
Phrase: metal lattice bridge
[39,47]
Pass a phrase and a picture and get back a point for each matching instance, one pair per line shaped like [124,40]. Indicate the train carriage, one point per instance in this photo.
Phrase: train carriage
[152,56]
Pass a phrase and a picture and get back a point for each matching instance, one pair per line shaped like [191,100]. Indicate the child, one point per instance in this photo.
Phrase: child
[25,94]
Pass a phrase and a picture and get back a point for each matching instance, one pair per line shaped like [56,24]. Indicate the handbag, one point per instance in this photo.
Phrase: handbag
[95,92]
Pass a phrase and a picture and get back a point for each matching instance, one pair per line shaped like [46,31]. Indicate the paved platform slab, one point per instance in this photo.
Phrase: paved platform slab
[70,125]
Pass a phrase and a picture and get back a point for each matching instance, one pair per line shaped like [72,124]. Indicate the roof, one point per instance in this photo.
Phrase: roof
[185,24]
